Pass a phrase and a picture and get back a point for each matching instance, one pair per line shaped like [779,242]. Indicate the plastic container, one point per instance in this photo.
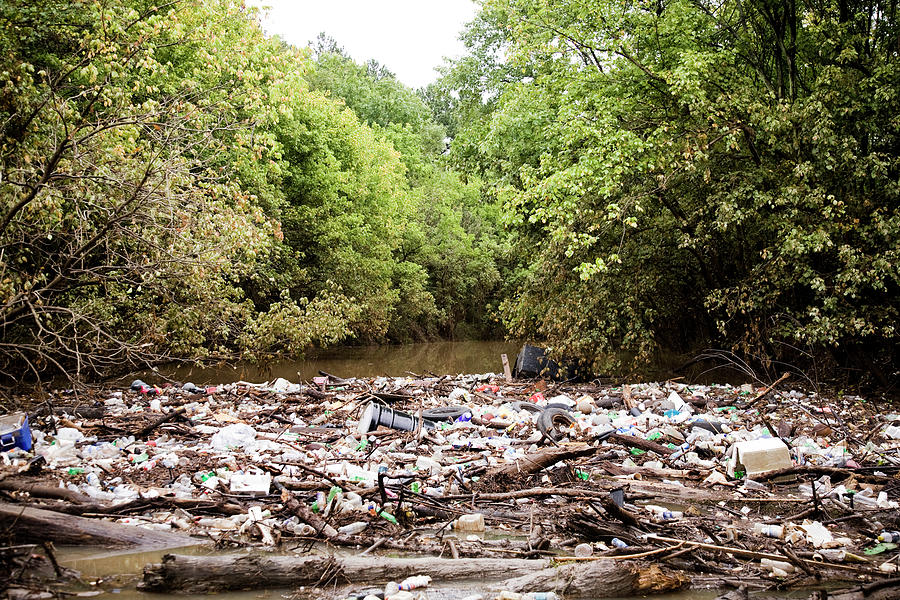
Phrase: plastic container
[473,522]
[353,528]
[251,483]
[415,582]
[892,432]
[759,456]
[583,550]
[772,531]
[15,432]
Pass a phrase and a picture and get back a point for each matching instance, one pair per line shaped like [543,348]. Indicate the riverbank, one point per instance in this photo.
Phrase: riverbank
[684,487]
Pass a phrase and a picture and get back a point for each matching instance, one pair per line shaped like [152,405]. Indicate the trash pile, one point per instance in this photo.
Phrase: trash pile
[760,486]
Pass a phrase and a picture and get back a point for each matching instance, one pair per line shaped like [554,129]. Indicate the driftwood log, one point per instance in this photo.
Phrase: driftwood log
[595,579]
[37,525]
[39,490]
[601,579]
[543,459]
[203,574]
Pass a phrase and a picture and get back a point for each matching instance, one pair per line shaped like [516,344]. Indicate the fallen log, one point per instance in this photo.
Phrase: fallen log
[143,431]
[601,579]
[38,490]
[204,574]
[543,459]
[37,525]
[614,469]
[887,589]
[878,590]
[836,473]
[596,579]
[630,441]
[307,516]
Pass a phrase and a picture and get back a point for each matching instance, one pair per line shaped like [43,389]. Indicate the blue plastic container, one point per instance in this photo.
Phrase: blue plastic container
[15,432]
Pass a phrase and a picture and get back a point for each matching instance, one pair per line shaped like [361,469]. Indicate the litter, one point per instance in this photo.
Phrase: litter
[563,468]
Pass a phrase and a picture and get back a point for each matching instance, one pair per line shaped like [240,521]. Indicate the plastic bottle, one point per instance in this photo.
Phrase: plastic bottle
[772,531]
[892,537]
[541,596]
[415,582]
[671,515]
[353,528]
[618,543]
[217,523]
[778,567]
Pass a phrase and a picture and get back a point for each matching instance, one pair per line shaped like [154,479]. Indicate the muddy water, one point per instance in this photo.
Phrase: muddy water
[439,358]
[361,361]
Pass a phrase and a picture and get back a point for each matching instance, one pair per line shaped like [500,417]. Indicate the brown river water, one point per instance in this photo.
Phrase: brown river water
[359,361]
[439,358]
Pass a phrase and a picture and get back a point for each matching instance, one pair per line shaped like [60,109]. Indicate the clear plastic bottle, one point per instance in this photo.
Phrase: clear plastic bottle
[772,531]
[353,528]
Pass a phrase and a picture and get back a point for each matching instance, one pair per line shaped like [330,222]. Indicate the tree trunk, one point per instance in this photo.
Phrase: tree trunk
[595,579]
[601,579]
[204,574]
[543,459]
[36,525]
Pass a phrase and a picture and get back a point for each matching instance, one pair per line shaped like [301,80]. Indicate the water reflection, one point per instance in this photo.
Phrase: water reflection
[362,361]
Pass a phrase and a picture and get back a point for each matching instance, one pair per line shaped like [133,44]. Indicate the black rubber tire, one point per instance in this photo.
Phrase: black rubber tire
[527,406]
[549,420]
[445,413]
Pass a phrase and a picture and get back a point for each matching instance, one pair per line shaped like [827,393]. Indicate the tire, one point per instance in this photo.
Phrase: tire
[527,406]
[550,420]
[445,413]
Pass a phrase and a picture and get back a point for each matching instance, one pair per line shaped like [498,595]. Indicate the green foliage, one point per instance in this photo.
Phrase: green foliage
[140,187]
[446,236]
[689,173]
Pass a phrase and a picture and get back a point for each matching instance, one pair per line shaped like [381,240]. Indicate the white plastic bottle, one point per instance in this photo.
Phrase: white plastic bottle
[415,582]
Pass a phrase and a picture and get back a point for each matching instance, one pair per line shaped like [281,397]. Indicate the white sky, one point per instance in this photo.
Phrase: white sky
[409,37]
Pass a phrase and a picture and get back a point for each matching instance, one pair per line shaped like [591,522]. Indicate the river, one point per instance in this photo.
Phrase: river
[358,361]
[439,358]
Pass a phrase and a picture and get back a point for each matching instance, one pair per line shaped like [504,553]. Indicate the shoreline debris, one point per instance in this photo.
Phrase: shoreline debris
[703,483]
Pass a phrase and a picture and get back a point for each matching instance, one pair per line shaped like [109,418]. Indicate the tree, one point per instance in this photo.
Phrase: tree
[688,173]
[121,232]
[446,235]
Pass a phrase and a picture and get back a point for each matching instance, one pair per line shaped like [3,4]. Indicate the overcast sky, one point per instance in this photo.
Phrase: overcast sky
[409,37]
